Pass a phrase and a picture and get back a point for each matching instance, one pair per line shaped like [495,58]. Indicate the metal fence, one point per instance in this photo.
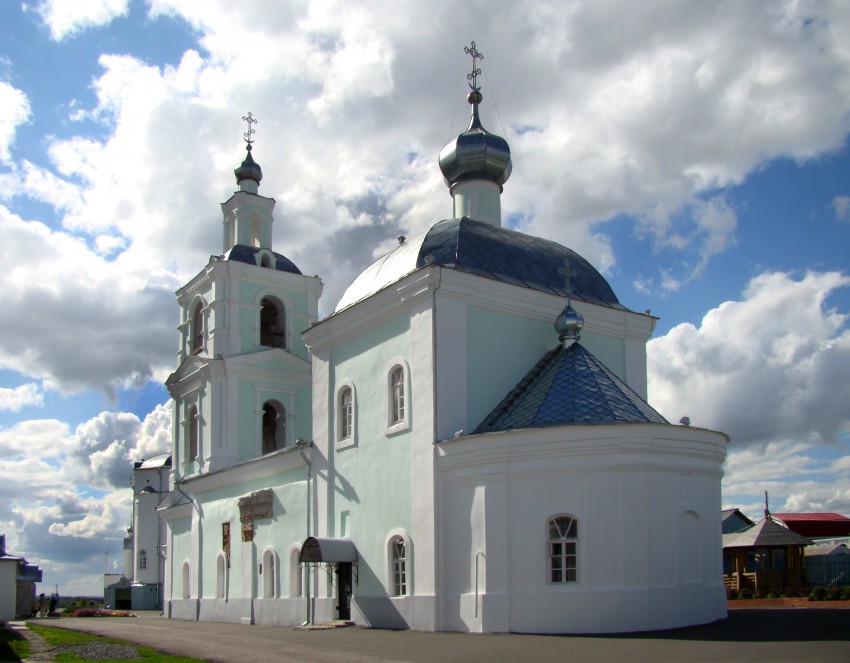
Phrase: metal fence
[828,571]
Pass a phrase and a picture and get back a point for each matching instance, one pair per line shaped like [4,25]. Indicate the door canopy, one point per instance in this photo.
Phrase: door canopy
[330,551]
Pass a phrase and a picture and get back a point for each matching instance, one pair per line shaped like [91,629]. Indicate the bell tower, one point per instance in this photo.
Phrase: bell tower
[242,388]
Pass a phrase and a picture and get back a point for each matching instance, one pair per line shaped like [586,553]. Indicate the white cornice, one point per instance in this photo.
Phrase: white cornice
[372,311]
[195,370]
[616,446]
[217,270]
[473,290]
[175,512]
[268,465]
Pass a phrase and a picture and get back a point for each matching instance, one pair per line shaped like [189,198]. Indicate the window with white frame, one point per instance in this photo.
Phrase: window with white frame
[346,413]
[197,328]
[273,427]
[272,323]
[397,396]
[192,420]
[143,560]
[398,566]
[268,575]
[563,549]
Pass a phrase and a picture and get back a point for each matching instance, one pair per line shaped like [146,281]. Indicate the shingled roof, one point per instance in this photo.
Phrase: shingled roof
[569,386]
[765,534]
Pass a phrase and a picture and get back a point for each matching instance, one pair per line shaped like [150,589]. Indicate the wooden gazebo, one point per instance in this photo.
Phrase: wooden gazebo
[766,558]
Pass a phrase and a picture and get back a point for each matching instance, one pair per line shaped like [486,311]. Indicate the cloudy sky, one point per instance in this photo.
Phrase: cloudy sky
[695,152]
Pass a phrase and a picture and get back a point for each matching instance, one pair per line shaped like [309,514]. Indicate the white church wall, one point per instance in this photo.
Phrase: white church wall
[181,604]
[646,505]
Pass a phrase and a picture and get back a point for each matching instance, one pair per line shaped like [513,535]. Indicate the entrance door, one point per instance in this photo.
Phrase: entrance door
[343,589]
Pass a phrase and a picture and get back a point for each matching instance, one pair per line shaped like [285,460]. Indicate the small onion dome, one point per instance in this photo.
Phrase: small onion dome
[476,154]
[249,169]
[569,325]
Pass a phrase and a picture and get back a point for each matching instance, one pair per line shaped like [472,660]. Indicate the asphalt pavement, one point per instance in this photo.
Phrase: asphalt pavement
[764,634]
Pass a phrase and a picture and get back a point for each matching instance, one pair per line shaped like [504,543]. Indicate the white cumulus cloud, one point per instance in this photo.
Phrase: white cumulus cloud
[66,18]
[14,111]
[27,395]
[771,367]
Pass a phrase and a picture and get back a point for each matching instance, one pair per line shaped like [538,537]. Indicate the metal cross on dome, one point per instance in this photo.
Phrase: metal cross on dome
[568,272]
[249,118]
[476,55]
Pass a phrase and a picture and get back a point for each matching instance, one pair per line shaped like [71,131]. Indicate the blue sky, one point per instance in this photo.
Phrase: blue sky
[696,153]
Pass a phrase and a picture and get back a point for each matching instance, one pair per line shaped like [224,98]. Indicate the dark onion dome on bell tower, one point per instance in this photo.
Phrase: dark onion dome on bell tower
[249,174]
[477,163]
[249,170]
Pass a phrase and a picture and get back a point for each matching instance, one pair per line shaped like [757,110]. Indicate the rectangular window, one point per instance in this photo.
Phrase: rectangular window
[346,414]
[399,568]
[397,395]
[563,556]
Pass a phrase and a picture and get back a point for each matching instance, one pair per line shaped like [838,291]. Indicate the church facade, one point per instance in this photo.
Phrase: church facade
[463,444]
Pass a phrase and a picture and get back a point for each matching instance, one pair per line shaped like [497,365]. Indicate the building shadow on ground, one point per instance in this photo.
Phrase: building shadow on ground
[761,625]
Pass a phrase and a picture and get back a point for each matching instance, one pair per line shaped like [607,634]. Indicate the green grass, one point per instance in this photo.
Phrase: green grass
[60,636]
[12,647]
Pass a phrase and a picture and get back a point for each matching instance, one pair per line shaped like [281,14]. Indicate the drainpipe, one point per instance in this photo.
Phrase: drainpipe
[302,444]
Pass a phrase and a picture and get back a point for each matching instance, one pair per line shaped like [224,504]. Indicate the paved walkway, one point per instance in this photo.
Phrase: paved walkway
[781,634]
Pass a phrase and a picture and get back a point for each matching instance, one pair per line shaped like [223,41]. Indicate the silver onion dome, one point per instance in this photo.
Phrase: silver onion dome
[569,325]
[476,154]
[249,169]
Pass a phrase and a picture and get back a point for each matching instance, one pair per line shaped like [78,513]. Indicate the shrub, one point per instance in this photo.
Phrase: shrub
[746,593]
[97,612]
[769,595]
[731,594]
[820,594]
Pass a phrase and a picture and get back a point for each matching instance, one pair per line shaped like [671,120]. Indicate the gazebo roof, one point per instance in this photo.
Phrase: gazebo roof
[766,533]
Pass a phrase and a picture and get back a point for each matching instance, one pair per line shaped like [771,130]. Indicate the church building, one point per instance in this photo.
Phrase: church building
[463,444]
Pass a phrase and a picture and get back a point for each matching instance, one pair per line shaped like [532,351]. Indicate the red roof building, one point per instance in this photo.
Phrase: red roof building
[815,525]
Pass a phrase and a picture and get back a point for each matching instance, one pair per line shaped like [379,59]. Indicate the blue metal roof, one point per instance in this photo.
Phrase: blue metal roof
[514,257]
[243,253]
[490,251]
[569,387]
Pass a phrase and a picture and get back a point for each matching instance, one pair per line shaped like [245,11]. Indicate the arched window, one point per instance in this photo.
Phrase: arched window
[272,323]
[143,560]
[346,413]
[398,566]
[192,446]
[221,577]
[274,427]
[185,580]
[197,328]
[563,544]
[296,573]
[268,575]
[397,405]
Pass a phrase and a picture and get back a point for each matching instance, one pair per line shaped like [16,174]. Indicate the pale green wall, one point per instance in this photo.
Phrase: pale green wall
[296,313]
[372,480]
[181,550]
[518,343]
[287,527]
[247,395]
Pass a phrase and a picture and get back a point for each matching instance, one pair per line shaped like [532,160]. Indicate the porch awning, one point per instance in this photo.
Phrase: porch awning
[328,550]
